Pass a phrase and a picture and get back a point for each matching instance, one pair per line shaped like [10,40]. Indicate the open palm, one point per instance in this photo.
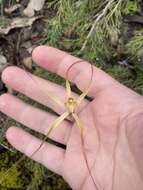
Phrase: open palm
[111,132]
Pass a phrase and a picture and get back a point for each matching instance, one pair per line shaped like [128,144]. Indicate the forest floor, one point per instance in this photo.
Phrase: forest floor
[108,34]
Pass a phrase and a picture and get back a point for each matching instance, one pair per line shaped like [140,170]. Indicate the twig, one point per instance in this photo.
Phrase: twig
[115,8]
[6,147]
[99,16]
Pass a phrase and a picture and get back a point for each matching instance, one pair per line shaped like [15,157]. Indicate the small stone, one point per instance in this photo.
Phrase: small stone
[27,62]
[3,62]
[29,12]
[33,5]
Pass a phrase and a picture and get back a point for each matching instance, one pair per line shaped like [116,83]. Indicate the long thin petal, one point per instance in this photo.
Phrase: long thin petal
[86,91]
[56,123]
[80,126]
[78,122]
[68,89]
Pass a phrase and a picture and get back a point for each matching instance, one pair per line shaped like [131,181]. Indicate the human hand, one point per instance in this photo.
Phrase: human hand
[112,123]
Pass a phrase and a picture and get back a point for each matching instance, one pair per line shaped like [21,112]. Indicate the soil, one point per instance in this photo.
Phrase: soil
[18,43]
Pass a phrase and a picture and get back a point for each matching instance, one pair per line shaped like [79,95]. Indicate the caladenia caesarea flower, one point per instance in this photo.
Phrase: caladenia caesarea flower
[71,106]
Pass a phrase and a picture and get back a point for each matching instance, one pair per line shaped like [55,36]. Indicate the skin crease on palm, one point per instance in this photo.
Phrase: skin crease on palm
[113,124]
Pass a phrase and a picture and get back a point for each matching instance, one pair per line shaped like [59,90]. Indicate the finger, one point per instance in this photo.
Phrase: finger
[49,155]
[58,62]
[37,88]
[34,118]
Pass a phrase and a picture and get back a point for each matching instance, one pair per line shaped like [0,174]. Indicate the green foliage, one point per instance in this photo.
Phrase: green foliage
[66,29]
[13,180]
[10,2]
[28,174]
[135,47]
[4,125]
[1,1]
[131,7]
[132,78]
[37,175]
[70,28]
[104,40]
[138,82]
[3,21]
[56,184]
[121,73]
[90,29]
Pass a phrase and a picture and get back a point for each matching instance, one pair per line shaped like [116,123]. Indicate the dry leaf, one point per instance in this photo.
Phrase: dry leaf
[28,12]
[18,23]
[28,62]
[12,8]
[33,5]
[3,62]
[36,5]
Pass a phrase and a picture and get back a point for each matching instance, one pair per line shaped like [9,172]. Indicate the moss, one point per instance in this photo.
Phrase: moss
[56,183]
[13,178]
[13,181]
[28,174]
[37,175]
